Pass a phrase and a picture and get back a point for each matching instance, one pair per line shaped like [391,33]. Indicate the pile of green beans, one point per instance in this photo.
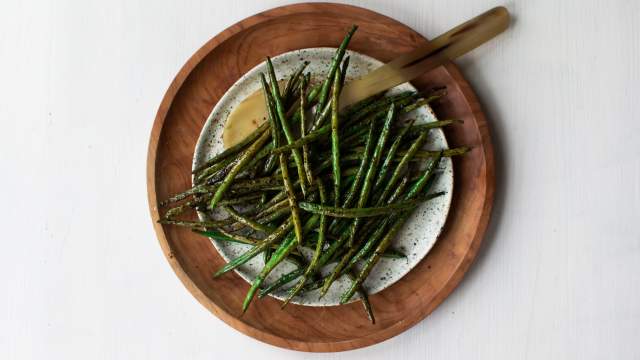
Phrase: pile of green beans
[340,183]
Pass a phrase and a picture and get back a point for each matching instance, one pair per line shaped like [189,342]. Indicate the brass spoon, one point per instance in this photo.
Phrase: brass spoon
[250,113]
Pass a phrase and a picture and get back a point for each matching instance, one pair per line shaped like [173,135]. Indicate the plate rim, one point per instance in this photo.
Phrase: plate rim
[413,317]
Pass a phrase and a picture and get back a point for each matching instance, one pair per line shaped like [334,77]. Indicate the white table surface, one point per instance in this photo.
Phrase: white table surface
[81,272]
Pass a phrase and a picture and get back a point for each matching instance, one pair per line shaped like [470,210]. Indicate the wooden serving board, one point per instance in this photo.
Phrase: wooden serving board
[183,111]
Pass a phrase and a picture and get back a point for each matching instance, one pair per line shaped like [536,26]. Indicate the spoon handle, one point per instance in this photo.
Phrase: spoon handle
[450,45]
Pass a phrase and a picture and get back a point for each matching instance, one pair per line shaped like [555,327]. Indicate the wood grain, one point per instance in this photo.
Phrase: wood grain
[182,113]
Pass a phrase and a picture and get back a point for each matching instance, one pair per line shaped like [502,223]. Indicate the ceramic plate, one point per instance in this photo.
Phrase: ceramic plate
[417,236]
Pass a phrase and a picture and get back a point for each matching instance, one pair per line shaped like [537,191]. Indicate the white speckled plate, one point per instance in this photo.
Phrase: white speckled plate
[419,233]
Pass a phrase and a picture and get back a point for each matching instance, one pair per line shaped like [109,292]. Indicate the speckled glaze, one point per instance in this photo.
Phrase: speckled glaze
[417,236]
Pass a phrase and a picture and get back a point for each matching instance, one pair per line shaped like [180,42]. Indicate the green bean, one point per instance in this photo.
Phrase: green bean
[294,258]
[372,195]
[365,301]
[294,274]
[249,209]
[328,254]
[284,125]
[277,198]
[282,195]
[271,118]
[278,214]
[308,139]
[313,264]
[418,129]
[375,160]
[311,223]
[252,172]
[175,211]
[371,242]
[281,253]
[222,235]
[267,254]
[243,160]
[320,117]
[332,249]
[351,128]
[284,203]
[287,246]
[295,215]
[419,155]
[196,203]
[372,260]
[338,226]
[309,286]
[292,84]
[265,151]
[241,199]
[213,178]
[394,254]
[357,107]
[294,112]
[326,163]
[272,213]
[351,257]
[335,142]
[351,193]
[336,271]
[355,139]
[198,189]
[422,102]
[343,71]
[307,79]
[246,221]
[278,234]
[433,153]
[283,280]
[316,284]
[198,192]
[313,94]
[213,170]
[320,133]
[303,124]
[235,192]
[257,183]
[235,149]
[380,105]
[391,153]
[335,63]
[194,224]
[354,213]
[399,189]
[404,162]
[317,133]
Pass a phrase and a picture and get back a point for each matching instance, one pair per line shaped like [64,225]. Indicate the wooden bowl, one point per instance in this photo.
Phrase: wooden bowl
[185,107]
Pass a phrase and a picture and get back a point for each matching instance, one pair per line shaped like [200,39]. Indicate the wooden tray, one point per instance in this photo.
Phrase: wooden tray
[185,107]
